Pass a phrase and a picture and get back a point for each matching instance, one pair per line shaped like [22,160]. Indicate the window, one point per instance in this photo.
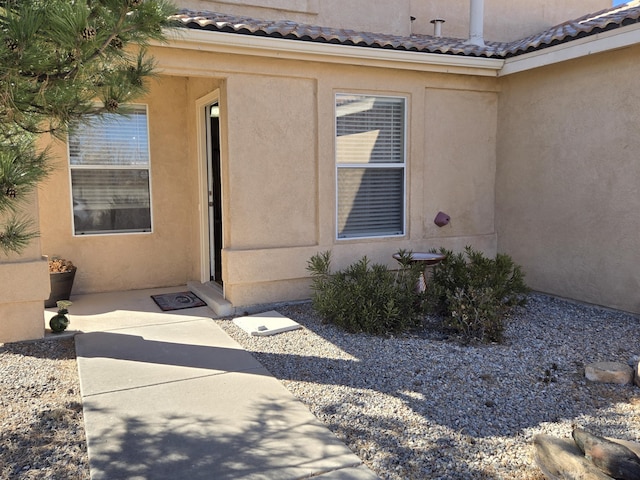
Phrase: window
[370,161]
[109,162]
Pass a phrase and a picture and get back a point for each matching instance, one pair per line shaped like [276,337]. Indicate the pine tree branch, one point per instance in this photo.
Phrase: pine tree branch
[16,235]
[58,57]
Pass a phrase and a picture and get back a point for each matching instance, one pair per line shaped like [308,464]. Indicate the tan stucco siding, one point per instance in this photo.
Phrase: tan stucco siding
[460,148]
[567,178]
[279,175]
[24,283]
[126,261]
[255,273]
[504,20]
[272,162]
[364,15]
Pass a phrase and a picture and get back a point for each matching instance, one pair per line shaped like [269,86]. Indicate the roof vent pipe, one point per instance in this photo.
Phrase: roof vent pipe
[437,27]
[476,23]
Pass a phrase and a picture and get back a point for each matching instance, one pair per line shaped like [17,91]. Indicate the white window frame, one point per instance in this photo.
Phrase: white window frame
[374,166]
[131,166]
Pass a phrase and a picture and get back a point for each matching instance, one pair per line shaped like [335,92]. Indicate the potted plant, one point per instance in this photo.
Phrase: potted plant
[61,274]
[60,321]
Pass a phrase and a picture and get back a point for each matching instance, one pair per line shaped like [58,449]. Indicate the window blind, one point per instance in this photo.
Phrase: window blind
[370,129]
[109,162]
[370,158]
[370,202]
[111,140]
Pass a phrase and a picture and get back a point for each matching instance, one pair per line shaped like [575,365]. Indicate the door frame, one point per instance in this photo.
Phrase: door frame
[203,196]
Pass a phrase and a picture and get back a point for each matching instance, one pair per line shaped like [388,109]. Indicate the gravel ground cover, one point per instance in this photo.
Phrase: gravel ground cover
[41,424]
[425,406]
[417,406]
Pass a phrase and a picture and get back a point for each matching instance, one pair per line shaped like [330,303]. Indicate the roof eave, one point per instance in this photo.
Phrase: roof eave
[221,42]
[576,48]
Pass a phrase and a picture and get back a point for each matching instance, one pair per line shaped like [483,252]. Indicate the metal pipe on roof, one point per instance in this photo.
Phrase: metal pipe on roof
[476,23]
[437,27]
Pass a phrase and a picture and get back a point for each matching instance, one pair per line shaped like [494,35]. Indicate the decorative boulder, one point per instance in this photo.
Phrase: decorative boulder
[609,372]
[610,457]
[560,459]
[587,457]
[636,369]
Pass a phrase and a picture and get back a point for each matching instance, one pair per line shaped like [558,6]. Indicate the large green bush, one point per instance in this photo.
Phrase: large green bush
[367,297]
[473,293]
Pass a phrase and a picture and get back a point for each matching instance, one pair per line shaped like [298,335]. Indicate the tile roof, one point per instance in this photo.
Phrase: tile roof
[590,24]
[571,30]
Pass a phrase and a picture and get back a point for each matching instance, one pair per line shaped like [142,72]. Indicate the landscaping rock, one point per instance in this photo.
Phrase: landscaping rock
[404,403]
[610,457]
[609,372]
[560,459]
[633,446]
[635,364]
[587,457]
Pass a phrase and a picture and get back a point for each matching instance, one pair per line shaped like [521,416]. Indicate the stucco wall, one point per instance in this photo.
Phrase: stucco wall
[505,20]
[272,169]
[279,166]
[126,261]
[567,178]
[460,142]
[24,285]
[364,15]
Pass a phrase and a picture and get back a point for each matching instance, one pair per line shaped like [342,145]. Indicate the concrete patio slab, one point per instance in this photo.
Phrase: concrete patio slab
[150,355]
[168,395]
[102,312]
[228,426]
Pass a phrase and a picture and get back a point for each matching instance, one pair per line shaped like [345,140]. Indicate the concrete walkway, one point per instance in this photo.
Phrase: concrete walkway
[170,395]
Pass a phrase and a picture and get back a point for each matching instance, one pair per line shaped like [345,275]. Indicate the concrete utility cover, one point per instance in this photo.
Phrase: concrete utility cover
[266,323]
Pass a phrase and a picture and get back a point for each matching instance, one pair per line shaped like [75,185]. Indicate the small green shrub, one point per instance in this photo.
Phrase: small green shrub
[474,293]
[367,297]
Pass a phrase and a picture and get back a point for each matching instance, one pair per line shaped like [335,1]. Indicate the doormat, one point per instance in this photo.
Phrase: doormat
[265,324]
[177,301]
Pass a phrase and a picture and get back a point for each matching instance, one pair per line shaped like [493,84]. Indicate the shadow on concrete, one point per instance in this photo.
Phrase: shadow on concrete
[170,445]
[137,349]
[174,401]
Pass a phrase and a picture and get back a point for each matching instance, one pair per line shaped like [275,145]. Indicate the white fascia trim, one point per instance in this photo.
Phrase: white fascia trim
[601,42]
[206,41]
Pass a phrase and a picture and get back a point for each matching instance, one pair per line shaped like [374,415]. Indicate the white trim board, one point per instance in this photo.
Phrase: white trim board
[222,42]
[583,47]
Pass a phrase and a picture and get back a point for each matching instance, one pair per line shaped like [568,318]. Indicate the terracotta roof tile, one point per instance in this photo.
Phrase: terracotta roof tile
[587,25]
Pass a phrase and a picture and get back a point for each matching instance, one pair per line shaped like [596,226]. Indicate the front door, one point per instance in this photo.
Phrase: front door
[214,192]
